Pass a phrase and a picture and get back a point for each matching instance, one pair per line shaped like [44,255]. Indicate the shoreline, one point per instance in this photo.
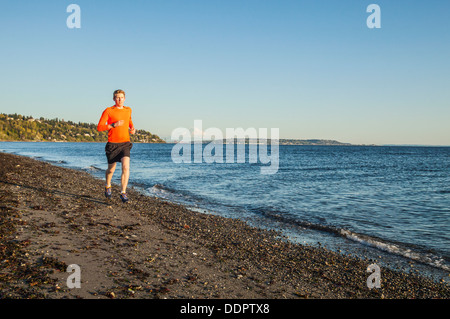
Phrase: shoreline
[207,142]
[150,248]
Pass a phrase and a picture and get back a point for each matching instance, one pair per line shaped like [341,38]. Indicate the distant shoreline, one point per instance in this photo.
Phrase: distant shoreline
[267,142]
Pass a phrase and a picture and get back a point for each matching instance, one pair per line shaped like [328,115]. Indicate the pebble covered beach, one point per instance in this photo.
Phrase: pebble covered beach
[52,217]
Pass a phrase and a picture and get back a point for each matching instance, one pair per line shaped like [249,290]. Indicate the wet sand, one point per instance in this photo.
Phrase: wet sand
[52,217]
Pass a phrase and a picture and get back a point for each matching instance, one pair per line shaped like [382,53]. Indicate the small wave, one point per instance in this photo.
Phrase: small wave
[288,219]
[93,168]
[52,161]
[425,258]
[429,259]
[318,169]
[159,188]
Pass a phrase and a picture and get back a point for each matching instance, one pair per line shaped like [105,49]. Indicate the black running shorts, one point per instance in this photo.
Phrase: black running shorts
[115,151]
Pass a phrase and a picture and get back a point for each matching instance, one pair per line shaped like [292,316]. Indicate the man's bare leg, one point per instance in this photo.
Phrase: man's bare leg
[109,173]
[125,173]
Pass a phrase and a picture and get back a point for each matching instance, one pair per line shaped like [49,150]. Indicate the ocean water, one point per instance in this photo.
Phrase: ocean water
[387,203]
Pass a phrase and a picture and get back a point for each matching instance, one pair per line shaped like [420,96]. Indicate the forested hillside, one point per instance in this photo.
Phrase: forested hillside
[16,127]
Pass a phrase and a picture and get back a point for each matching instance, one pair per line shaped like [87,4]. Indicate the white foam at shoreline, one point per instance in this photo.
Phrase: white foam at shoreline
[395,249]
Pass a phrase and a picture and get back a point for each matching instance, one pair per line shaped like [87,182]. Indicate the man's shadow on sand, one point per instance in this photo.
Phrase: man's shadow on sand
[83,197]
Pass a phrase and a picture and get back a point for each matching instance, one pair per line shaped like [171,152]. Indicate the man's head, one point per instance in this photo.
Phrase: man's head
[119,97]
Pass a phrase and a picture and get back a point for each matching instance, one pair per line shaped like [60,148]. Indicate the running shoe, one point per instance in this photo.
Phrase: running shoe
[124,197]
[108,192]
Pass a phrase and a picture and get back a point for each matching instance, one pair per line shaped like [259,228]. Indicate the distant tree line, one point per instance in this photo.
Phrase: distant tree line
[16,127]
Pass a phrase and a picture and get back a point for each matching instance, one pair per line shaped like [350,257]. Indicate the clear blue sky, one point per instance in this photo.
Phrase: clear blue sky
[313,69]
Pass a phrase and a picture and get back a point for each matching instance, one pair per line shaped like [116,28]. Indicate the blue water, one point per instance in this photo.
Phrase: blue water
[390,203]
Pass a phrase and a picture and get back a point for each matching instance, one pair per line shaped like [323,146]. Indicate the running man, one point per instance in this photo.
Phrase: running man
[117,120]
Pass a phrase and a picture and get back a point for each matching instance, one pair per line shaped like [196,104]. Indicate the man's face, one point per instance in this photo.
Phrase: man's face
[119,99]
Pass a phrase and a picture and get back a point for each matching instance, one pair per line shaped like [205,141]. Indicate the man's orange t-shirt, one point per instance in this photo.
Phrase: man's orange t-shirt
[118,134]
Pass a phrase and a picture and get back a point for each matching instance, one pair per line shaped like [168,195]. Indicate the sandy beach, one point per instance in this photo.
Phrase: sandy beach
[52,217]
